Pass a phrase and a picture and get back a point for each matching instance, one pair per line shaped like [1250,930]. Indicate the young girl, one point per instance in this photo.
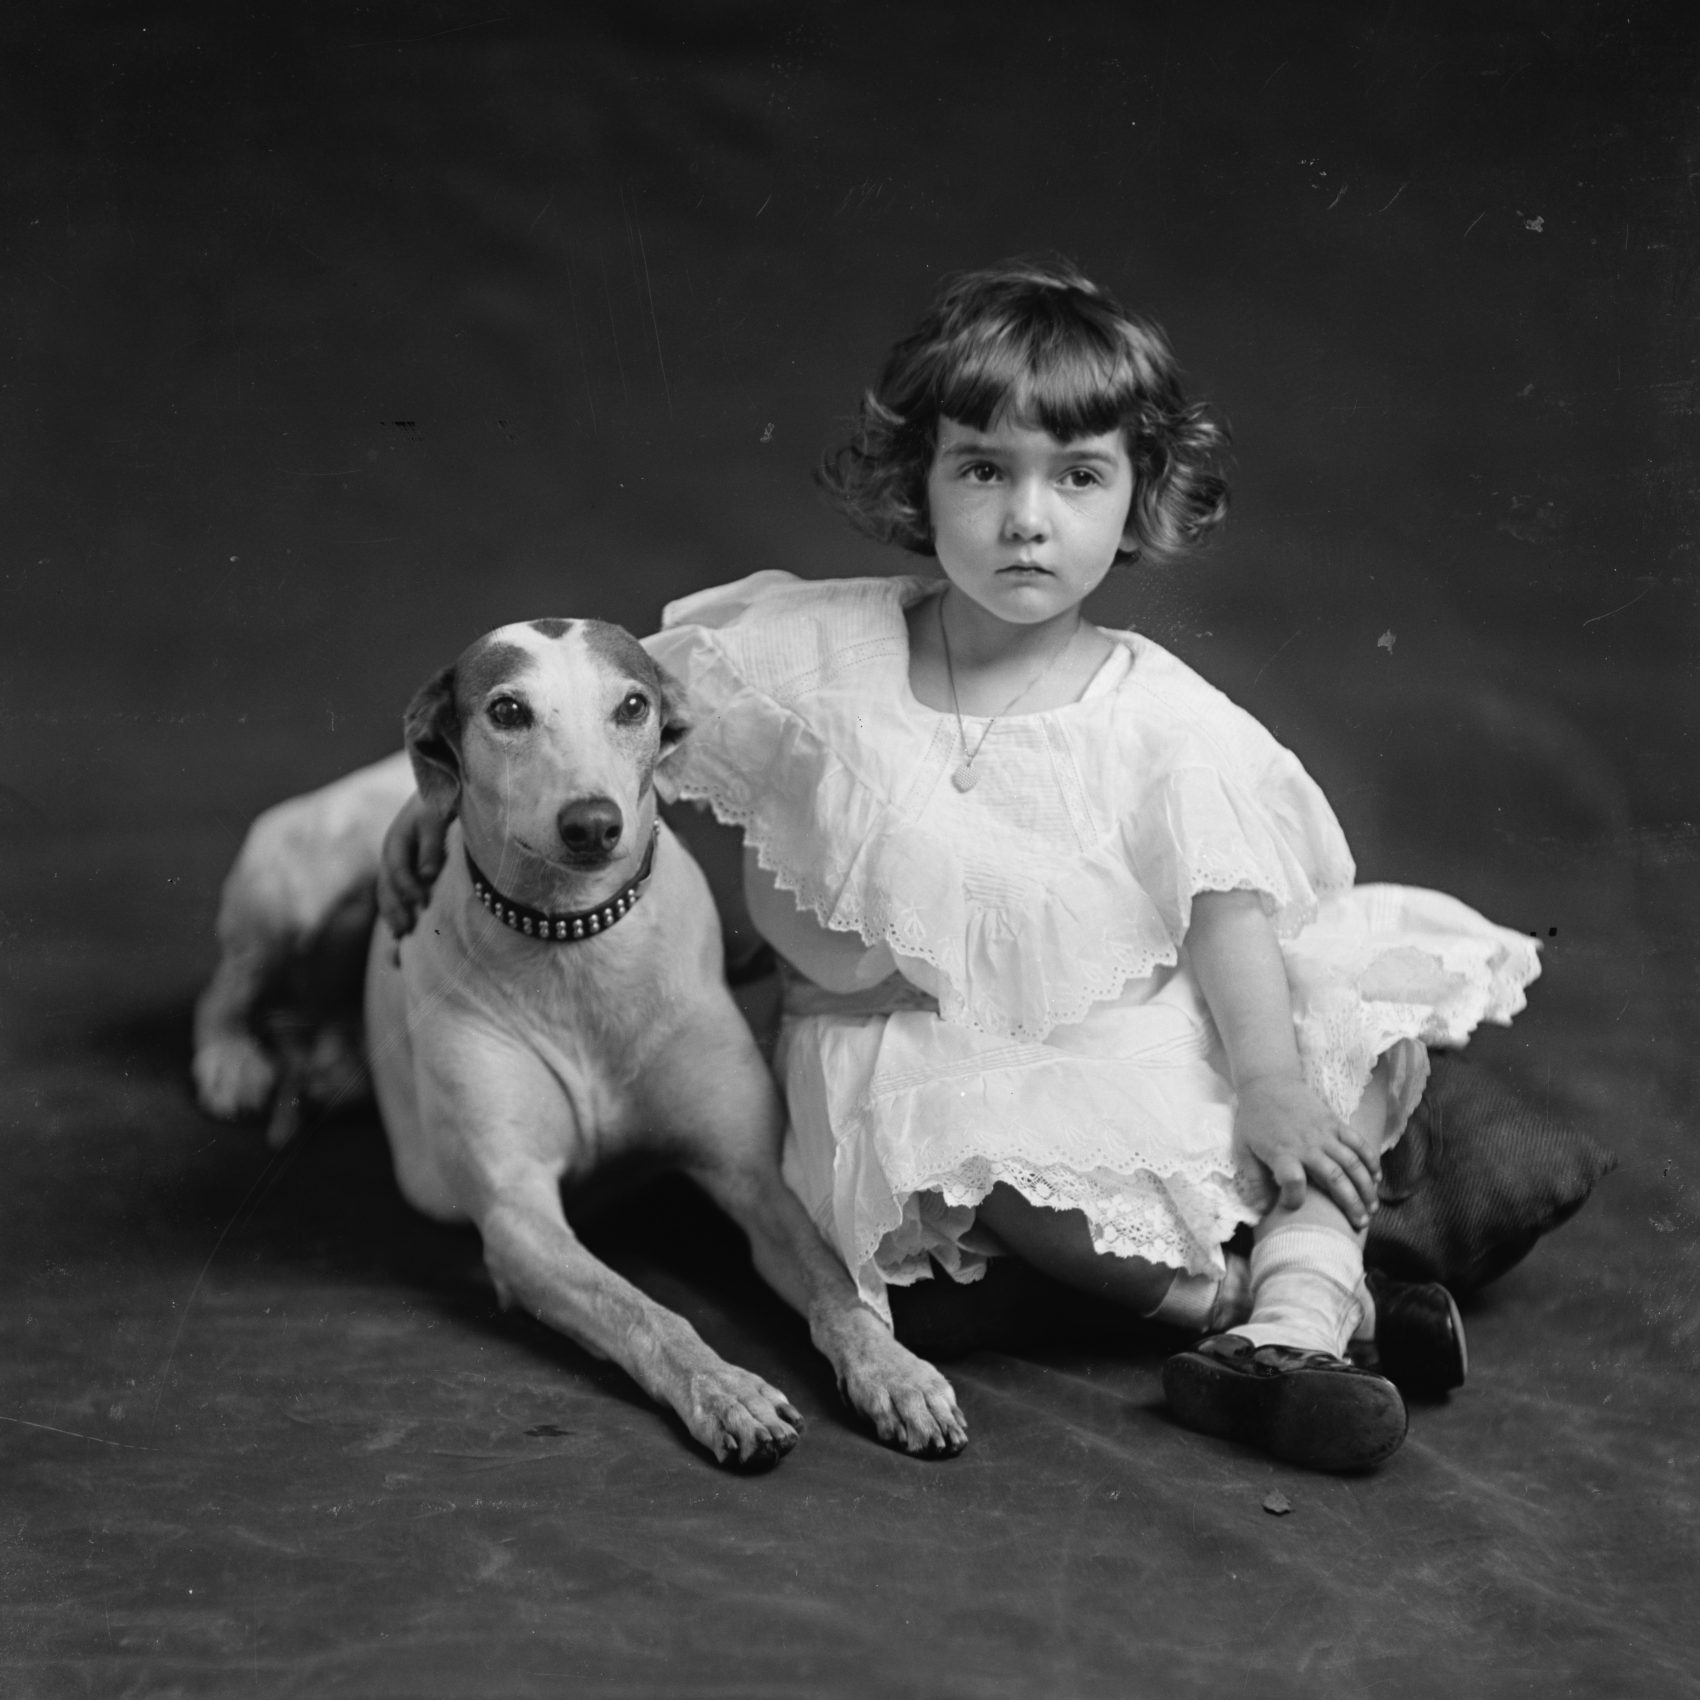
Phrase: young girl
[1075,969]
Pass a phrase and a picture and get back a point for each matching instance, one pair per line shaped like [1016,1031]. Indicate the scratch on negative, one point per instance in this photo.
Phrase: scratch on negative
[1272,659]
[99,1440]
[655,324]
[1396,194]
[264,1176]
[1593,619]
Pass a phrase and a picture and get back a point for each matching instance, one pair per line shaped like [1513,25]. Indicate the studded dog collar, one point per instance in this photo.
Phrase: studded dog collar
[575,924]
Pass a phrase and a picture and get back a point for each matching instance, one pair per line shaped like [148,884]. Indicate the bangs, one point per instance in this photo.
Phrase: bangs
[1035,343]
[1049,361]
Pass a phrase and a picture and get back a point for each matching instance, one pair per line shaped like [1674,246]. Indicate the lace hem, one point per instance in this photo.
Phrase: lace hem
[1019,970]
[1177,1220]
[965,999]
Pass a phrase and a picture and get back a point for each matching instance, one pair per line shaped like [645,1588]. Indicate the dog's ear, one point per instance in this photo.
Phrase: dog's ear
[675,723]
[432,727]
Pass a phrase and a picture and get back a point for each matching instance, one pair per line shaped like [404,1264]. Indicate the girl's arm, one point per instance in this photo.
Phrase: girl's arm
[1281,1120]
[408,865]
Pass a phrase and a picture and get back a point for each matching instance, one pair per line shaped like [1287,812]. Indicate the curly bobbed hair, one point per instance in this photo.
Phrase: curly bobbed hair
[1036,341]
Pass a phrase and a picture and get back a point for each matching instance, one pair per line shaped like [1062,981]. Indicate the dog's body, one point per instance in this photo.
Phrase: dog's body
[280,1021]
[507,1066]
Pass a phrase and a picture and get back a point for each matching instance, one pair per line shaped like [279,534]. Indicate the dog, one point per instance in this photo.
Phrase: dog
[559,1010]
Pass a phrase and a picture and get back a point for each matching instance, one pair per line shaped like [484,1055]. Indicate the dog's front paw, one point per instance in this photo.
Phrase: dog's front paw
[744,1422]
[233,1076]
[910,1405]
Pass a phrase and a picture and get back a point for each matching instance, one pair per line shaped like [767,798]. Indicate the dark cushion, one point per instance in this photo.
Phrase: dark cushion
[1480,1174]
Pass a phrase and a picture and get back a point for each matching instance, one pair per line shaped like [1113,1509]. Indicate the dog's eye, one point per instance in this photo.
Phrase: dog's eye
[633,710]
[509,713]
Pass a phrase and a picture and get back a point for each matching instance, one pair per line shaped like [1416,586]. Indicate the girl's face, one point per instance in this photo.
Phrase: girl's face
[1026,526]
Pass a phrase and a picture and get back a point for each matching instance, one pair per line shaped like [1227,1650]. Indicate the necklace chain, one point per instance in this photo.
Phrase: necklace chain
[965,778]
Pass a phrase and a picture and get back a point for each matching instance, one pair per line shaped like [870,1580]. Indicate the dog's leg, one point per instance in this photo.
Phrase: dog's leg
[537,1260]
[234,1075]
[907,1401]
[717,1088]
[492,1121]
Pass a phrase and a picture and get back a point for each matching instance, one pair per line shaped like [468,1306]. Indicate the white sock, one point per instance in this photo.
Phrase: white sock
[1207,1304]
[1308,1291]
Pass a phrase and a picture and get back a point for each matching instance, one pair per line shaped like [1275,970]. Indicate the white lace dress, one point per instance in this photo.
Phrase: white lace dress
[992,985]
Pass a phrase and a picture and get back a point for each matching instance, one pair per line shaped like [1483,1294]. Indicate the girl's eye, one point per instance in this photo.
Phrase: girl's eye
[508,713]
[980,472]
[1080,478]
[633,709]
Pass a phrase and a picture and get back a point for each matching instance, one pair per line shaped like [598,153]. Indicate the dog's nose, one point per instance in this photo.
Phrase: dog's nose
[591,826]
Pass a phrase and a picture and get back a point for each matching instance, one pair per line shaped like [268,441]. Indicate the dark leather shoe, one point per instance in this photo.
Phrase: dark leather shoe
[1419,1335]
[1305,1408]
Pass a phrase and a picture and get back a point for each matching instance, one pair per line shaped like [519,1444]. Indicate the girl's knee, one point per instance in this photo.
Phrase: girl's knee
[1371,1117]
[1403,1072]
[1395,1088]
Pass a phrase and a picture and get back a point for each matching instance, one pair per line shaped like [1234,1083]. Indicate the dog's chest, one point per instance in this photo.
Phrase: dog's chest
[601,1015]
[591,1001]
[598,1016]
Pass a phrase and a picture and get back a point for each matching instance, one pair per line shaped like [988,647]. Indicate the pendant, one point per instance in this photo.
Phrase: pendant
[965,778]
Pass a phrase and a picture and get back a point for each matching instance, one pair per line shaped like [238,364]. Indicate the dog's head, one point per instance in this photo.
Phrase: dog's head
[544,737]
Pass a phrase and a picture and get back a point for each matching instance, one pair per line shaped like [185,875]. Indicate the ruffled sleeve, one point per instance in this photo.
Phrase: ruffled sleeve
[1221,804]
[1212,828]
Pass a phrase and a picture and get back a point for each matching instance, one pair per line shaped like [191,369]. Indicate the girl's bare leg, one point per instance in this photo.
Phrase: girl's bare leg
[1058,1243]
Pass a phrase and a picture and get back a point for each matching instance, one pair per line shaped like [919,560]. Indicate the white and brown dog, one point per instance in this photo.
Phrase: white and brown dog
[560,1007]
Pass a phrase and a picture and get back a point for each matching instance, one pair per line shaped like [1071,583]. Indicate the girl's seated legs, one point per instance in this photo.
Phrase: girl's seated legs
[1277,1377]
[1299,1277]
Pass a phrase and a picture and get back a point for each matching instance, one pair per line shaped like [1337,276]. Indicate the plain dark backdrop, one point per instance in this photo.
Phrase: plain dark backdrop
[336,334]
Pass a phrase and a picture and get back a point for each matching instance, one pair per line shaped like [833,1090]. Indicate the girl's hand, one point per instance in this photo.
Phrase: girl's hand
[409,863]
[1289,1129]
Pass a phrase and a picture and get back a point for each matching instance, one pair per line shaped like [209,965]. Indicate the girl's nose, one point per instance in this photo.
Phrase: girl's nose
[1025,517]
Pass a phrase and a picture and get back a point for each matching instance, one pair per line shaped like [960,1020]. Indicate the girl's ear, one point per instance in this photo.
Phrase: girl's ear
[1133,543]
[432,728]
[674,722]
